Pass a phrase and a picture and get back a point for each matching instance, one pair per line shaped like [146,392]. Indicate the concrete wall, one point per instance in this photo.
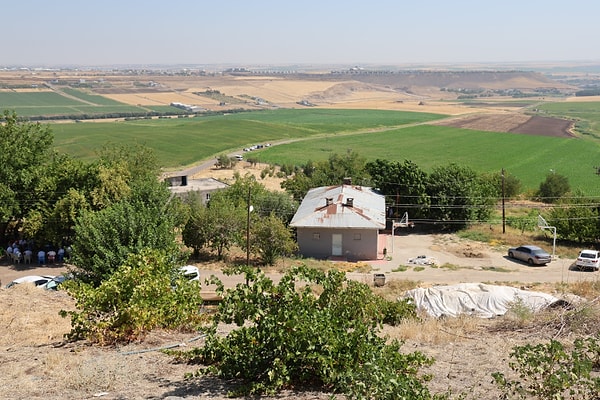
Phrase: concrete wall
[357,244]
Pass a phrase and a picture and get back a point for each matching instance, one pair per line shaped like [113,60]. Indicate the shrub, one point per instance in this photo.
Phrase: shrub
[145,293]
[289,336]
[550,371]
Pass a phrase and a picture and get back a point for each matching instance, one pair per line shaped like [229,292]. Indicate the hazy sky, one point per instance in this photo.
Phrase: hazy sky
[108,32]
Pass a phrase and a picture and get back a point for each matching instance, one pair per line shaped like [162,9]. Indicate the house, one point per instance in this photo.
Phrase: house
[181,185]
[340,221]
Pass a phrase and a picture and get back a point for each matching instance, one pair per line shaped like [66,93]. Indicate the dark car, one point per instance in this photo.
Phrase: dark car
[532,255]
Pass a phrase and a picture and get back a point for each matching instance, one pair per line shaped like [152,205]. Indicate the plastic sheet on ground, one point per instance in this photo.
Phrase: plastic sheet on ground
[423,260]
[477,299]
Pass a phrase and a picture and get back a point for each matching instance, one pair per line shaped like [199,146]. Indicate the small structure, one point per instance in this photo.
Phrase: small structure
[340,221]
[181,185]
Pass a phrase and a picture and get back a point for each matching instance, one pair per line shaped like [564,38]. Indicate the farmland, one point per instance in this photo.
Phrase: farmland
[373,115]
[50,103]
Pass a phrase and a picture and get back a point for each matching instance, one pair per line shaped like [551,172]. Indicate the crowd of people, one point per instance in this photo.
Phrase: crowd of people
[24,251]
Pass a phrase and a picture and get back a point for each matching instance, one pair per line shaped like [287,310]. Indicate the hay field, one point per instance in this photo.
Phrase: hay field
[161,98]
[583,99]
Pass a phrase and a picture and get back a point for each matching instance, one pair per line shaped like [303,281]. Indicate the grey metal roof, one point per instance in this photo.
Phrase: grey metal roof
[203,184]
[348,207]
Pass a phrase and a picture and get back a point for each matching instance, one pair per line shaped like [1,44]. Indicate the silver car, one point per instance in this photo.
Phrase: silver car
[532,255]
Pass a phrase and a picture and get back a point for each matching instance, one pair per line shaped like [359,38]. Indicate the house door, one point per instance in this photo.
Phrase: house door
[336,244]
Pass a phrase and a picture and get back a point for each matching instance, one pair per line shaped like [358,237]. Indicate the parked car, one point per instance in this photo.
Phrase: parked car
[532,255]
[56,281]
[37,280]
[191,272]
[588,259]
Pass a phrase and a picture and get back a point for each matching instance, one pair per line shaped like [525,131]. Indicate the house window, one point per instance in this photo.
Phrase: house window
[357,236]
[316,236]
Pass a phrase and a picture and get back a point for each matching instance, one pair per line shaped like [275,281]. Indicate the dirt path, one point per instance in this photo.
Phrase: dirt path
[456,261]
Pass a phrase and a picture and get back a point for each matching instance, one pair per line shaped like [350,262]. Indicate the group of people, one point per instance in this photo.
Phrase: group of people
[22,251]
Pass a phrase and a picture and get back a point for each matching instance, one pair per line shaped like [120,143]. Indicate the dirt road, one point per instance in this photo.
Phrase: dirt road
[456,261]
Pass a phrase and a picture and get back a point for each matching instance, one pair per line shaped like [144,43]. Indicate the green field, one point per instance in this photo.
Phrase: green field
[183,141]
[75,102]
[314,134]
[530,158]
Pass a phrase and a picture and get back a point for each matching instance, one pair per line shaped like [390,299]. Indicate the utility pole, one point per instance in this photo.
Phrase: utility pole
[248,230]
[503,209]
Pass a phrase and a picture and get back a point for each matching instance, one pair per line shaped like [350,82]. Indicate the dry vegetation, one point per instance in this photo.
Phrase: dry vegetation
[36,363]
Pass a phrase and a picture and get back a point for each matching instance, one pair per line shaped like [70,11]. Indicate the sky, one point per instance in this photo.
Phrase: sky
[284,32]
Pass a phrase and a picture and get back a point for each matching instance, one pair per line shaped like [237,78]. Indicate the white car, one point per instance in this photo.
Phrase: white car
[37,280]
[588,259]
[191,272]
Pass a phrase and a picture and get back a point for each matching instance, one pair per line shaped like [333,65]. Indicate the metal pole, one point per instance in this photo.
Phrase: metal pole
[503,209]
[248,231]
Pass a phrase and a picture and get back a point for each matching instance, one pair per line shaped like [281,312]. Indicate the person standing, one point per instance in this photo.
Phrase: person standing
[41,257]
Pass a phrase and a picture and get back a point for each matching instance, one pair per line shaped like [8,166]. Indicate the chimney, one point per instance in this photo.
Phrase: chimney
[350,201]
[328,201]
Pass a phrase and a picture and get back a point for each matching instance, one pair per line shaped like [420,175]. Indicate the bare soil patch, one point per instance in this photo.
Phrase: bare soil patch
[513,123]
[35,362]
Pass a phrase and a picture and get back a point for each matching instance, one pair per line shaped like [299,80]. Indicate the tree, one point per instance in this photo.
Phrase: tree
[104,239]
[26,151]
[217,226]
[331,172]
[224,161]
[403,184]
[512,185]
[576,219]
[271,239]
[458,196]
[287,335]
[553,188]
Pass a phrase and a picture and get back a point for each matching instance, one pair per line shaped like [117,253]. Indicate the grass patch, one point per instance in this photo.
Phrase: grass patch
[401,268]
[418,269]
[476,235]
[451,267]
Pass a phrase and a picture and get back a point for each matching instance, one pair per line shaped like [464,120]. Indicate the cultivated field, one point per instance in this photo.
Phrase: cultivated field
[35,362]
[514,123]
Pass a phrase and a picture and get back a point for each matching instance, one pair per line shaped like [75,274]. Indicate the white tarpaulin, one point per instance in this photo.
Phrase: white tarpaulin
[477,299]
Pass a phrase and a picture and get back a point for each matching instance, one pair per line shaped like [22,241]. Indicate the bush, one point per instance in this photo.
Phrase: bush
[290,336]
[550,371]
[145,293]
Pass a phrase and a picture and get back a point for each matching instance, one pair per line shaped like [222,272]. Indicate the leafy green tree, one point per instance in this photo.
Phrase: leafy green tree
[63,197]
[224,161]
[553,188]
[271,239]
[247,190]
[404,185]
[26,152]
[217,226]
[289,336]
[576,219]
[458,196]
[512,184]
[324,173]
[105,238]
[144,293]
